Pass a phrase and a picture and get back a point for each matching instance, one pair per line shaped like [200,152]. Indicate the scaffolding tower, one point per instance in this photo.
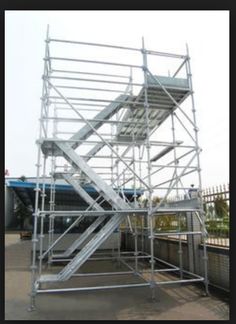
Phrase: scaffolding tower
[104,117]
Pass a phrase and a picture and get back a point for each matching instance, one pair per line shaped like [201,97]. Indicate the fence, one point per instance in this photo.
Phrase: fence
[216,205]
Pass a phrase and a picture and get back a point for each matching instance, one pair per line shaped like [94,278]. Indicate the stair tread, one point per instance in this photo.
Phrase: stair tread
[48,278]
[89,248]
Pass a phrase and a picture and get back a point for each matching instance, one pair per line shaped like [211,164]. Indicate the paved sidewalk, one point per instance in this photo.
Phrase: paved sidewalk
[173,302]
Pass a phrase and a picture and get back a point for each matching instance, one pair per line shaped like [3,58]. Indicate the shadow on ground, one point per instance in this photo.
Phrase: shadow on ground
[173,302]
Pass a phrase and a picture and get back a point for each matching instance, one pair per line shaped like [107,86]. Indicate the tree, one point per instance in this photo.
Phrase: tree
[155,200]
[221,207]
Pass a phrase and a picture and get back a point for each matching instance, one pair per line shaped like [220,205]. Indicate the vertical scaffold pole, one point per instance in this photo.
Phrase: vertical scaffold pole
[52,193]
[37,190]
[148,147]
[140,187]
[51,207]
[205,258]
[135,206]
[113,253]
[180,251]
[41,236]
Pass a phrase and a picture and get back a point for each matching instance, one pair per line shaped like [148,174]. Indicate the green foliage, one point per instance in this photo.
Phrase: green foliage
[155,200]
[218,228]
[144,201]
[169,222]
[221,207]
[164,222]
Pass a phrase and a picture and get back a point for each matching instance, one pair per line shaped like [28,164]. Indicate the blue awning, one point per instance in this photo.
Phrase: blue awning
[65,194]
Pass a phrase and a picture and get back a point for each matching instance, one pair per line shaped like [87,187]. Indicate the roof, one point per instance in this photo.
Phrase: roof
[66,197]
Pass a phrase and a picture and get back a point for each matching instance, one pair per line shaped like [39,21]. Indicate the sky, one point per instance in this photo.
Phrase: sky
[207,35]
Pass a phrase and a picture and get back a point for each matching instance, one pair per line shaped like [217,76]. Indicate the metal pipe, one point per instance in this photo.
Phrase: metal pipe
[180,251]
[74,213]
[62,235]
[95,131]
[177,233]
[88,88]
[52,193]
[171,166]
[138,273]
[184,128]
[94,80]
[180,188]
[42,218]
[56,102]
[95,44]
[135,204]
[180,157]
[149,167]
[35,214]
[182,175]
[51,201]
[125,102]
[92,73]
[115,286]
[159,270]
[178,281]
[172,185]
[150,52]
[165,262]
[205,258]
[91,288]
[100,258]
[162,153]
[179,68]
[95,62]
[81,109]
[192,274]
[66,119]
[102,274]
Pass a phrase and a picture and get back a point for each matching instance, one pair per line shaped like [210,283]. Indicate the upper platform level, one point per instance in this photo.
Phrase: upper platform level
[159,108]
[95,86]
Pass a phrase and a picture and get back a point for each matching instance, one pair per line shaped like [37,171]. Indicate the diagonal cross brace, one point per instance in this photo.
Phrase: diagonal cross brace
[76,160]
[106,113]
[81,191]
[90,247]
[77,243]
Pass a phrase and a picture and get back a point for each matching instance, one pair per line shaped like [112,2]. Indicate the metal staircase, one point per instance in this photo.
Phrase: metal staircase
[144,103]
[77,243]
[67,150]
[81,191]
[86,251]
[49,148]
[74,159]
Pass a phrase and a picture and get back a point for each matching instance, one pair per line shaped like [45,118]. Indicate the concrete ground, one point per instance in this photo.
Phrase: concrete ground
[173,302]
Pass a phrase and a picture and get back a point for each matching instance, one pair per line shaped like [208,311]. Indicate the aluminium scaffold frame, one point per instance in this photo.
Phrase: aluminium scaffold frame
[133,119]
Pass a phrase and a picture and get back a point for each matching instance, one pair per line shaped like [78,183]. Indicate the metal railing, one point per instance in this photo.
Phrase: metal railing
[216,207]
